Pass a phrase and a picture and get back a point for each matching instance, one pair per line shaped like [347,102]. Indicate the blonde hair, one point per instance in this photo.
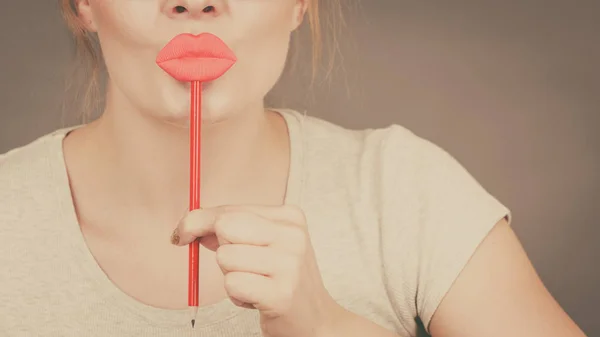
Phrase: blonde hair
[90,64]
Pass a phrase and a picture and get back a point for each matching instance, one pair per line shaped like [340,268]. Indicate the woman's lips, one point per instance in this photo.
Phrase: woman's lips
[201,58]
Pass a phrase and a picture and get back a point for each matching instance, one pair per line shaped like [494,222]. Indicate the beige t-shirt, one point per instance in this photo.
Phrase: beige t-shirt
[393,220]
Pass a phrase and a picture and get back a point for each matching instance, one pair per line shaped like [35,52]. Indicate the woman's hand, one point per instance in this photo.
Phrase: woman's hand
[269,264]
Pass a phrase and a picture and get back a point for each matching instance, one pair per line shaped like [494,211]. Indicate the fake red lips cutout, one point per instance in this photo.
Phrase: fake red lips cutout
[201,58]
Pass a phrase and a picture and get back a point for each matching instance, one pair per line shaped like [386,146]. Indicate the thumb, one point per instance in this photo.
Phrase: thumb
[195,224]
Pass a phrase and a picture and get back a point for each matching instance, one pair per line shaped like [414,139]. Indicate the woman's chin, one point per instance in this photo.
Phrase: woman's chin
[217,105]
[180,117]
[217,108]
[180,120]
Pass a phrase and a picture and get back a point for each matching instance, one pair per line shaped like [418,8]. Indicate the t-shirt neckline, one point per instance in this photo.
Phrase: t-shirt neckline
[106,291]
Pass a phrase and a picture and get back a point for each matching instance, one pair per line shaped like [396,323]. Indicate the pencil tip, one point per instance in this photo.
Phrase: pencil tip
[193,322]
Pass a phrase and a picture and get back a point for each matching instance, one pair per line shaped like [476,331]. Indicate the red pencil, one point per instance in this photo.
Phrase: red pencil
[195,59]
[195,160]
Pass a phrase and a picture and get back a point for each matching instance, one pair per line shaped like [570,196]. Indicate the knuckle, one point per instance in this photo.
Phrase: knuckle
[296,214]
[228,225]
[231,283]
[290,265]
[297,239]
[223,225]
[223,255]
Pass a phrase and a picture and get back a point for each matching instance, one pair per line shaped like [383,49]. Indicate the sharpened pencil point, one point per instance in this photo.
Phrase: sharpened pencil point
[193,322]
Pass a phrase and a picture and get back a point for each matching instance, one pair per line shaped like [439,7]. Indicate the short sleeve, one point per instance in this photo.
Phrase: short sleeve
[439,214]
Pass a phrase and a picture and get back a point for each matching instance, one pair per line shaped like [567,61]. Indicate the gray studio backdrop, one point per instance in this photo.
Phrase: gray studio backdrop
[510,88]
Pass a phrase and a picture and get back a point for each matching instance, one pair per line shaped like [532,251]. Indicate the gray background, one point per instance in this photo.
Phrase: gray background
[510,88]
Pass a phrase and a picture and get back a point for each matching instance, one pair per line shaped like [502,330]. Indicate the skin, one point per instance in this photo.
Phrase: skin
[137,152]
[255,251]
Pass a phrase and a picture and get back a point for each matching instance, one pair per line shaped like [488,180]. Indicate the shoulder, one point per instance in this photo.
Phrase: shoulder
[389,152]
[26,173]
[20,158]
[410,179]
[415,185]
[431,213]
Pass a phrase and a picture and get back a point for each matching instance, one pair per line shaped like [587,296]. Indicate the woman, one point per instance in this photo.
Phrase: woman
[399,232]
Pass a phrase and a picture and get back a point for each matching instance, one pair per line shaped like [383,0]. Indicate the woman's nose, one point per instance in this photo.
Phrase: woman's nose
[182,9]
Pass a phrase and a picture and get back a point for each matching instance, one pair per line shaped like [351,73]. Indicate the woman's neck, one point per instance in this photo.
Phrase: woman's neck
[144,162]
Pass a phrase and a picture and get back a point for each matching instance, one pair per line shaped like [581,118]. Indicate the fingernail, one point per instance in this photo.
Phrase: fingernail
[175,237]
